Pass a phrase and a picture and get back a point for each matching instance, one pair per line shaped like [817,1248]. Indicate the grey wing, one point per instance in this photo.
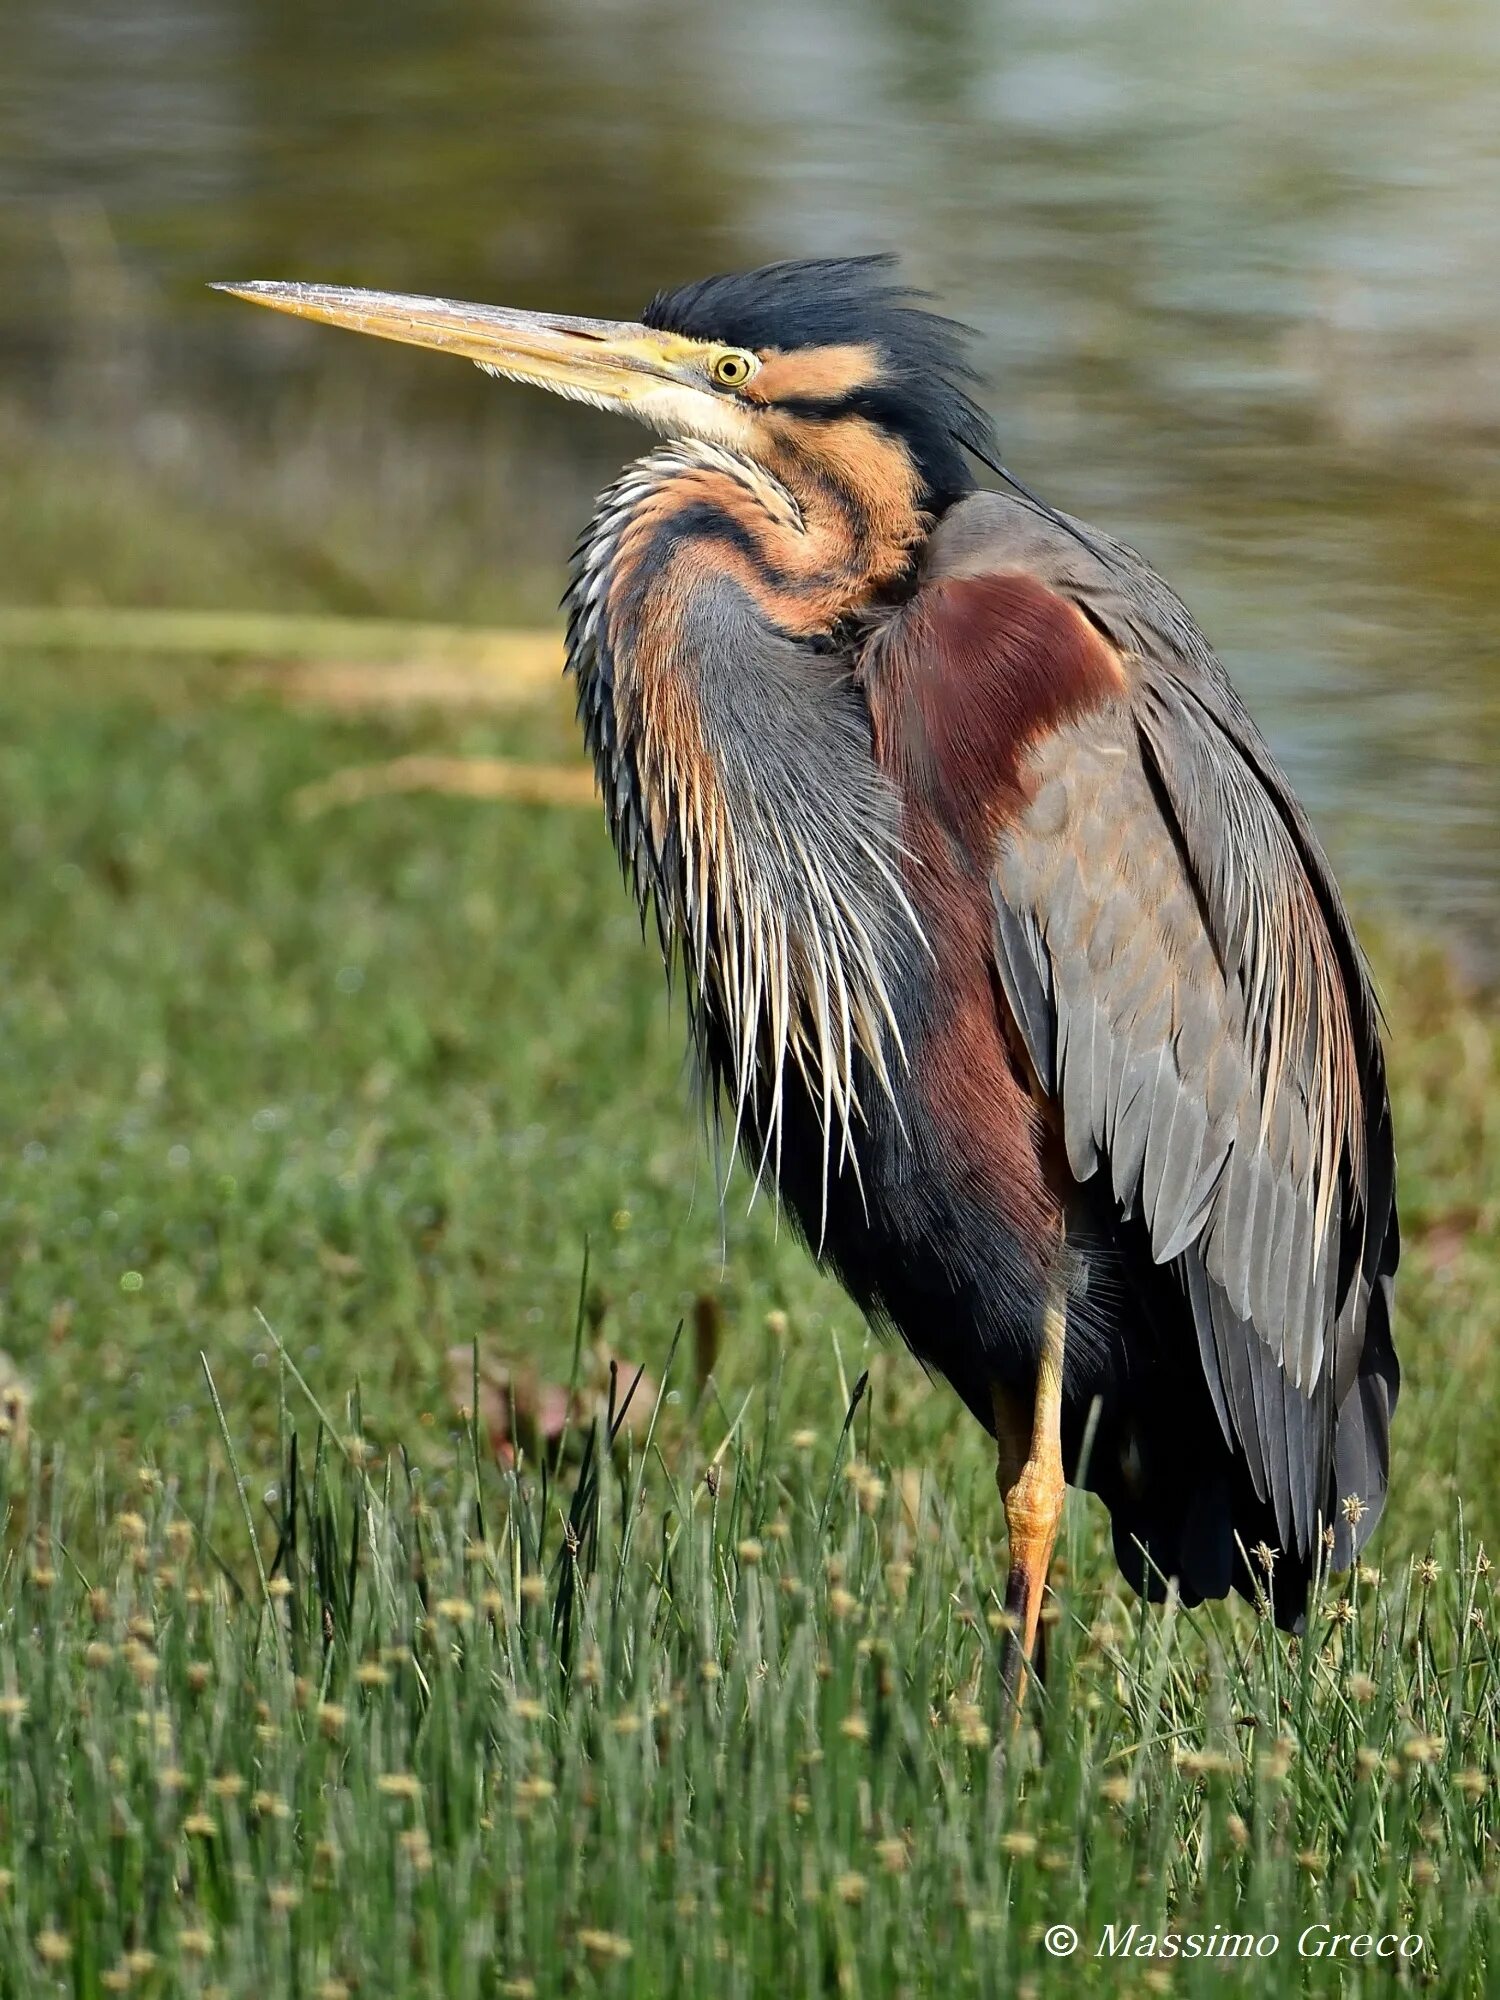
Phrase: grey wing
[1181,972]
[1179,963]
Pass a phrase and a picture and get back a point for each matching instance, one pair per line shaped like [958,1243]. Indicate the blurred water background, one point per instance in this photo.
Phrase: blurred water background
[1235,272]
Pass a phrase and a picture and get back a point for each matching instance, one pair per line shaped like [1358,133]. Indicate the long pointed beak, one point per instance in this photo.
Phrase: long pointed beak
[614,363]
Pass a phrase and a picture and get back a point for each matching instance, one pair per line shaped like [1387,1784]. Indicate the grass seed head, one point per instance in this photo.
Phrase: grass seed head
[1275,1766]
[1204,1763]
[52,1948]
[399,1785]
[605,1946]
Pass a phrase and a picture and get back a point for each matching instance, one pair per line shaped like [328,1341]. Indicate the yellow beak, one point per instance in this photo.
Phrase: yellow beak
[613,363]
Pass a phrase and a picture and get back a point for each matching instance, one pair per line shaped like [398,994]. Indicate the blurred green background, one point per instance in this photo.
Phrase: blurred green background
[1236,273]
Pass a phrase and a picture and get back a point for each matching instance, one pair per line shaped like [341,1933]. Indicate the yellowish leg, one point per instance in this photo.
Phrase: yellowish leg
[1029,1473]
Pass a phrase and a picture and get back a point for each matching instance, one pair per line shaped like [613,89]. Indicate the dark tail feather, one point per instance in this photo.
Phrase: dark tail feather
[1183,1506]
[1362,1434]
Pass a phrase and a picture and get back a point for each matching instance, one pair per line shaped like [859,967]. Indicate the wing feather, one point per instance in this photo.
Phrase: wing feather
[1156,1071]
[1182,1026]
[1026,972]
[1173,949]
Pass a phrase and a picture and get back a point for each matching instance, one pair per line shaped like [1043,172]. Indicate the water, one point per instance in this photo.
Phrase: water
[1236,274]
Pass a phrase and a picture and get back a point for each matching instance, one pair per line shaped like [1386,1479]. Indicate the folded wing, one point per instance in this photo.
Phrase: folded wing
[1173,950]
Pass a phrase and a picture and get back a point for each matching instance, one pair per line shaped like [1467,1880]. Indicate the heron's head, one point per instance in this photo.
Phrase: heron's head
[821,358]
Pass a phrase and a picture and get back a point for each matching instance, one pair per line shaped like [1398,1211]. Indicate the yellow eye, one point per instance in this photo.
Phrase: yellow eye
[733,368]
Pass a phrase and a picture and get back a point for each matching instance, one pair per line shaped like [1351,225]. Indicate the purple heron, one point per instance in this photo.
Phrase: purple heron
[1013,960]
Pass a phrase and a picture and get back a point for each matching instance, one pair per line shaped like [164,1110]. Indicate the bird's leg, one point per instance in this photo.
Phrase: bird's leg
[1029,1473]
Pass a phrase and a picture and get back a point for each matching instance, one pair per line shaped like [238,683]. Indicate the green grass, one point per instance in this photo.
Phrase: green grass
[713,1717]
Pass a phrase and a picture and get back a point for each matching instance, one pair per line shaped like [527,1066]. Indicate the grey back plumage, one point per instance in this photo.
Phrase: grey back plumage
[1190,993]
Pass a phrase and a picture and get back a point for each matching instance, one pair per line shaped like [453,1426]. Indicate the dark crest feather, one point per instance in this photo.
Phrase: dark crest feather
[858,301]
